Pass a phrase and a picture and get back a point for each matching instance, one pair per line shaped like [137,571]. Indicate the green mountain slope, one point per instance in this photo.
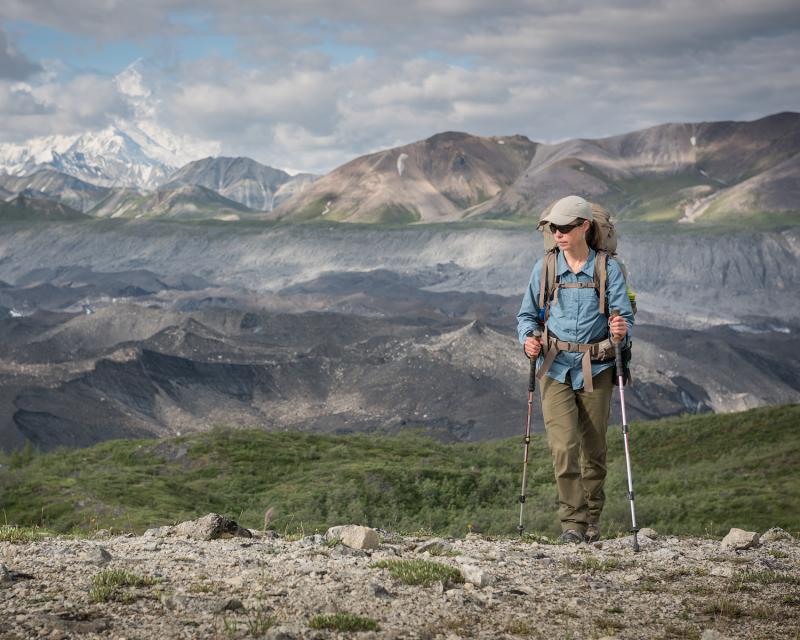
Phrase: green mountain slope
[692,475]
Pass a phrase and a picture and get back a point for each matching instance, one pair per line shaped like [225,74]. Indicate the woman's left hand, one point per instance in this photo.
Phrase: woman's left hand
[619,328]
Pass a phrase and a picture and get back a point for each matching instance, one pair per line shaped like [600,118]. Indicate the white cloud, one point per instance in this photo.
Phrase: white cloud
[316,83]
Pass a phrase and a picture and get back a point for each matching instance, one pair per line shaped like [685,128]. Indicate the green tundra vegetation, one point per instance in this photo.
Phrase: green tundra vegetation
[693,475]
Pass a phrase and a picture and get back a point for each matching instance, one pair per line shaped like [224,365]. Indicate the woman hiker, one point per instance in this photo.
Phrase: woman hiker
[576,345]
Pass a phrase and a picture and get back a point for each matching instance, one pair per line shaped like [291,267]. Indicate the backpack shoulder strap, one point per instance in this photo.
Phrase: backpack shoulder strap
[547,277]
[600,276]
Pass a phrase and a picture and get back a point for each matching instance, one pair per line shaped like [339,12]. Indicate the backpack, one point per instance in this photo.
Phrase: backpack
[602,237]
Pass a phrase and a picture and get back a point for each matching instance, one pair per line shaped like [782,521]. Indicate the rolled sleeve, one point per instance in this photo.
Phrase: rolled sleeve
[528,316]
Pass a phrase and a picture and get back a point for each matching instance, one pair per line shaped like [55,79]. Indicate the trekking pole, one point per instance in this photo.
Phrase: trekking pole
[621,384]
[527,441]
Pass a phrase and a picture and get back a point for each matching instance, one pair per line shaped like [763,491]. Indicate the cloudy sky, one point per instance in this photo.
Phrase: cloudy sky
[309,84]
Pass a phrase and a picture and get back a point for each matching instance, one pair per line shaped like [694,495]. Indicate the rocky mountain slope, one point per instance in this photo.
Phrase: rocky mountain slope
[194,580]
[661,172]
[242,180]
[182,202]
[666,173]
[431,180]
[57,186]
[24,208]
[683,172]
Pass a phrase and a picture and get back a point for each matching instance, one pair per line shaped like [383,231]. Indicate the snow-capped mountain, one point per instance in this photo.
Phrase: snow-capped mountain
[135,152]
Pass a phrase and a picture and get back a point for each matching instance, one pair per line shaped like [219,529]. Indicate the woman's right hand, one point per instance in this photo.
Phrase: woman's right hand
[533,345]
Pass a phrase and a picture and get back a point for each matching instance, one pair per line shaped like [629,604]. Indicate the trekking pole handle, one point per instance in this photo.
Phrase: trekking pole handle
[617,347]
[532,375]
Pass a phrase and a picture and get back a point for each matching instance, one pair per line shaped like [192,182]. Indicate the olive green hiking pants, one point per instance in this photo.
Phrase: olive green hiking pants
[576,423]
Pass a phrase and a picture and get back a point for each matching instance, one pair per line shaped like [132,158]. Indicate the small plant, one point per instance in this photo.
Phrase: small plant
[724,607]
[343,622]
[765,577]
[520,627]
[701,590]
[609,626]
[259,621]
[230,627]
[419,572]
[333,542]
[776,553]
[593,564]
[614,610]
[107,585]
[539,538]
[11,533]
[685,633]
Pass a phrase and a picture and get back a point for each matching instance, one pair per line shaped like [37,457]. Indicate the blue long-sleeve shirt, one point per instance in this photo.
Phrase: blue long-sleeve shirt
[576,317]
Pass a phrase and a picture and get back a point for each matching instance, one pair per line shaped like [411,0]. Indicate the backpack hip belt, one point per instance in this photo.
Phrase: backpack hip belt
[602,350]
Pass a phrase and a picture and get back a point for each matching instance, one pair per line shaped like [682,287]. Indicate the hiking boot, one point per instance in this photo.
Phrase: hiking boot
[571,536]
[593,533]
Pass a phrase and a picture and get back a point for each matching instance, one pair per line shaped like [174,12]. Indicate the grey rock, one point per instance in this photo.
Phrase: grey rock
[102,534]
[666,554]
[721,571]
[5,576]
[434,546]
[775,534]
[283,632]
[157,532]
[739,539]
[477,576]
[95,555]
[228,604]
[176,602]
[342,550]
[712,634]
[210,527]
[354,536]
[648,533]
[378,590]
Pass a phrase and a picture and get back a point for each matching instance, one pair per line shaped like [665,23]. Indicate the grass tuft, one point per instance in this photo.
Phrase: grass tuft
[343,622]
[593,564]
[107,585]
[17,535]
[419,572]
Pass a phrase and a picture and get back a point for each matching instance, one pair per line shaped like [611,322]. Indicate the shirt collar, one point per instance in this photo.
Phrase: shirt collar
[587,269]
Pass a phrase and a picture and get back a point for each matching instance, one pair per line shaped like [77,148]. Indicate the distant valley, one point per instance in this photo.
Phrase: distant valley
[227,291]
[131,328]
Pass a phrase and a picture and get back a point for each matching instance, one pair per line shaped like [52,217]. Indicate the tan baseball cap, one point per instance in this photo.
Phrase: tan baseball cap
[568,210]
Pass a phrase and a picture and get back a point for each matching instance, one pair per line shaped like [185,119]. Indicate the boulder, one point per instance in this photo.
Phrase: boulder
[647,532]
[776,533]
[354,536]
[210,527]
[739,539]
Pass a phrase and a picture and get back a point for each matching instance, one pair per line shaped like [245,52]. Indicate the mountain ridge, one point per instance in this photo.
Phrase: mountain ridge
[674,172]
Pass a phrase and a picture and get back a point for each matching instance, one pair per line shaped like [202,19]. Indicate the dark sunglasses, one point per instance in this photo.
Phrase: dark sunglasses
[564,228]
